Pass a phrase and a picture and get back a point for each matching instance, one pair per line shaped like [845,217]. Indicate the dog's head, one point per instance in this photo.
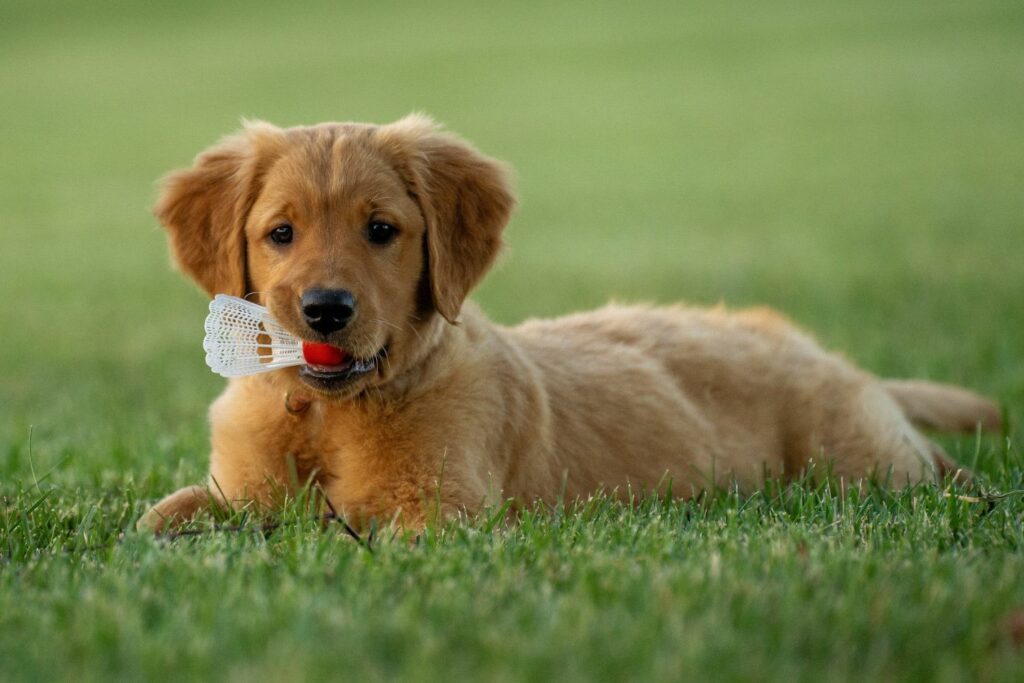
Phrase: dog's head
[352,235]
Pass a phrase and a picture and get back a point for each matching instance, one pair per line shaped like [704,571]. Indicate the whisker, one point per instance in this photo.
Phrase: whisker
[385,322]
[415,331]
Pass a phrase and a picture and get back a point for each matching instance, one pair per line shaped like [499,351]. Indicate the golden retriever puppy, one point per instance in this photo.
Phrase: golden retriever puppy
[369,238]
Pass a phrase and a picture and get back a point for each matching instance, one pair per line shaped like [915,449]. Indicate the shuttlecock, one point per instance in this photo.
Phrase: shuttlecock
[242,339]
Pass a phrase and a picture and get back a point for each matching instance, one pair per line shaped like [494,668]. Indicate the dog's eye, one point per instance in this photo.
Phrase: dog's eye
[380,232]
[282,234]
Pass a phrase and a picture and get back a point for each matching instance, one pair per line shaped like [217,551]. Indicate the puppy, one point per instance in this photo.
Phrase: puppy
[369,238]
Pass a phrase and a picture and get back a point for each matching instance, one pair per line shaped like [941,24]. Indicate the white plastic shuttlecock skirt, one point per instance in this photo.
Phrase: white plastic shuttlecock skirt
[242,339]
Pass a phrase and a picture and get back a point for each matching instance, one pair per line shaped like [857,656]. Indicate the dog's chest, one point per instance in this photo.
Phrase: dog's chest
[320,439]
[357,450]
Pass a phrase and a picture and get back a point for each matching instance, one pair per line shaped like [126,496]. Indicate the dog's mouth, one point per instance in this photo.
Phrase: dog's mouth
[330,368]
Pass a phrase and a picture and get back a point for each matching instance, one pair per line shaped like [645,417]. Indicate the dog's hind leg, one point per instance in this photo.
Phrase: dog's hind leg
[867,435]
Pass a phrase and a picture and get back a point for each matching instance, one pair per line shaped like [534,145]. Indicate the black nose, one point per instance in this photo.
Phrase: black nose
[328,310]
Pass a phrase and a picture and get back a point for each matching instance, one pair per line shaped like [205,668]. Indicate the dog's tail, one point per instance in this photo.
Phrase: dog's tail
[943,407]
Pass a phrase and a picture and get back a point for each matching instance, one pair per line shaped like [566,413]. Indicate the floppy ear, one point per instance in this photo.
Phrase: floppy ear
[204,208]
[466,200]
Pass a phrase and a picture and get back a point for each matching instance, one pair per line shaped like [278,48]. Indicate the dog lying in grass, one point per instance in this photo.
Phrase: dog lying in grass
[369,238]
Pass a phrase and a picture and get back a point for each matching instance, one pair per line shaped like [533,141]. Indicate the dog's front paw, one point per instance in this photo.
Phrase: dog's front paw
[179,507]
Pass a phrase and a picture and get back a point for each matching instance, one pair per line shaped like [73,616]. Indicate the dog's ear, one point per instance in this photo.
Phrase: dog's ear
[466,199]
[204,208]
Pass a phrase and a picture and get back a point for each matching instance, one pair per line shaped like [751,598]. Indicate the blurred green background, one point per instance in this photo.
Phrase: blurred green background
[859,166]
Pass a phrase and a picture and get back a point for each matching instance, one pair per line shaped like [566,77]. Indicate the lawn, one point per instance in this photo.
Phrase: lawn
[859,166]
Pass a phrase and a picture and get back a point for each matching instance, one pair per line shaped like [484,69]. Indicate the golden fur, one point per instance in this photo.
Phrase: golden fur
[469,413]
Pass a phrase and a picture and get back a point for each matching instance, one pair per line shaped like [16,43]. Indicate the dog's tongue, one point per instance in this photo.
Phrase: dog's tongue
[323,354]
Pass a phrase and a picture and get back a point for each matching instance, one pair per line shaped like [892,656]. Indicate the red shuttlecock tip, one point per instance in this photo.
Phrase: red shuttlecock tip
[323,354]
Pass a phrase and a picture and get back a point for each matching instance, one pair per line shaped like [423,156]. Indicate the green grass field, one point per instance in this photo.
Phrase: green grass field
[859,166]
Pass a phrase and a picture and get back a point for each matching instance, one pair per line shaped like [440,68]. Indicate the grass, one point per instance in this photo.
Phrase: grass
[859,167]
[788,583]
